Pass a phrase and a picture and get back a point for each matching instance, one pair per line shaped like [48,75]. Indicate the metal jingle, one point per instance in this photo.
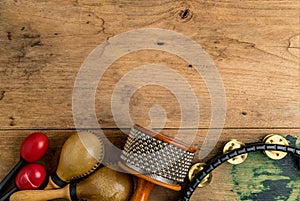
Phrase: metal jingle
[232,145]
[195,169]
[275,139]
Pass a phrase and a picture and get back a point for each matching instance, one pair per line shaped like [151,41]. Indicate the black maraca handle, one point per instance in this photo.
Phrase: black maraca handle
[9,193]
[9,177]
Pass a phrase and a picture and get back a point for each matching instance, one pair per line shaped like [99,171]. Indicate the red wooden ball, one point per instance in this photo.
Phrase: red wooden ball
[31,177]
[34,147]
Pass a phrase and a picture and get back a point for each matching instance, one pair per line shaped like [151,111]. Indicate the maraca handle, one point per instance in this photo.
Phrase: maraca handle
[51,185]
[10,176]
[41,195]
[9,193]
[54,185]
[142,191]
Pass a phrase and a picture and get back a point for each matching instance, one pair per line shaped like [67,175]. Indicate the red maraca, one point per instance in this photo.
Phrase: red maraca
[32,149]
[30,177]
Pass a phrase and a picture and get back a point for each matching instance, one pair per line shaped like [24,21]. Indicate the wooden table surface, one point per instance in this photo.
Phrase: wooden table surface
[255,46]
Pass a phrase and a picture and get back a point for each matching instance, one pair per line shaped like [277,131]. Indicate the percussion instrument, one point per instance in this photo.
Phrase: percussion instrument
[156,160]
[81,154]
[32,149]
[31,176]
[104,184]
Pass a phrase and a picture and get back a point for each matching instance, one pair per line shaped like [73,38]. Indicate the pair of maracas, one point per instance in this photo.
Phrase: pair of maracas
[27,176]
[81,156]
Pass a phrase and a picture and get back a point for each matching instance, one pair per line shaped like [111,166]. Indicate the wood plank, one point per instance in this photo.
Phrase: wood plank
[253,44]
[229,182]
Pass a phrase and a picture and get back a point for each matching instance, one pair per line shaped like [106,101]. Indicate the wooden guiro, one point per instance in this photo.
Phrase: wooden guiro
[104,184]
[81,154]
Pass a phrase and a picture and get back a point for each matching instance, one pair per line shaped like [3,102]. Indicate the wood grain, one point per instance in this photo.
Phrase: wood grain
[254,44]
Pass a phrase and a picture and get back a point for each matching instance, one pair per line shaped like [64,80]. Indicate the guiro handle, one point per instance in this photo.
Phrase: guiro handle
[143,190]
[41,195]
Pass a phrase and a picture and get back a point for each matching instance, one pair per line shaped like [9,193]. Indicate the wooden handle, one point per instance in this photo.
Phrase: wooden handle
[143,190]
[51,185]
[41,195]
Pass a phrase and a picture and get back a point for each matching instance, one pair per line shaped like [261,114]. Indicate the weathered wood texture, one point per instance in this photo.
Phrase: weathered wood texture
[254,44]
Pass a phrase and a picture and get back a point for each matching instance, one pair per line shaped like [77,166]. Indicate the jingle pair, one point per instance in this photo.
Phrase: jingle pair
[269,139]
